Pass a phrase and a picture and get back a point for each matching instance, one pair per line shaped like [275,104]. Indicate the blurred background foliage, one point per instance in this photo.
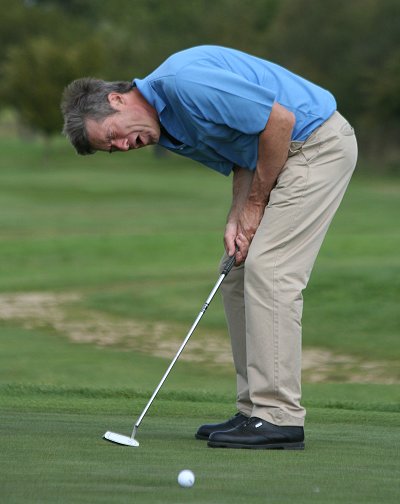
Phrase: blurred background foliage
[350,47]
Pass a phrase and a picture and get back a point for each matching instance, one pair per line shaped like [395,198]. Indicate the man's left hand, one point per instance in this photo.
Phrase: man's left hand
[248,222]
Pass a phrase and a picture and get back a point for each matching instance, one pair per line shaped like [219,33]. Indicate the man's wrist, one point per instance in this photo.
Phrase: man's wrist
[258,199]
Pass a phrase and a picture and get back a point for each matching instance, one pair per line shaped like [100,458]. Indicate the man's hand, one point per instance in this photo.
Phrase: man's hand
[235,242]
[248,222]
[240,233]
[230,238]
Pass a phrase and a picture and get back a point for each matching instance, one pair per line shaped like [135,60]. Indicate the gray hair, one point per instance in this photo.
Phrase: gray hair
[84,99]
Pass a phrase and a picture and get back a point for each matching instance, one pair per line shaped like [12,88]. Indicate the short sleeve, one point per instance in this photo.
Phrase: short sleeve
[223,97]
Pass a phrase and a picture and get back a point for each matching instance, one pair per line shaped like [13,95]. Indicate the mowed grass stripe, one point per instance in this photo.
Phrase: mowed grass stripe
[25,395]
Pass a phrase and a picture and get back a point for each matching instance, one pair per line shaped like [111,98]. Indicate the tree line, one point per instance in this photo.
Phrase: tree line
[350,47]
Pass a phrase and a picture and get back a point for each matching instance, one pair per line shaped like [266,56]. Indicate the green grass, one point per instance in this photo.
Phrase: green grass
[40,357]
[53,452]
[139,239]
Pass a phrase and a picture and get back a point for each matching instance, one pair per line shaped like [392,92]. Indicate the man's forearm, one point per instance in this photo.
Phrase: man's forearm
[274,143]
[242,182]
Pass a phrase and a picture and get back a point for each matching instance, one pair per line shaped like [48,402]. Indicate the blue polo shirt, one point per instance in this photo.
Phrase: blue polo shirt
[215,102]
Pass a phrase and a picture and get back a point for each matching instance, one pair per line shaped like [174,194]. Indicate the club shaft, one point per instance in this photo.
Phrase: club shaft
[199,316]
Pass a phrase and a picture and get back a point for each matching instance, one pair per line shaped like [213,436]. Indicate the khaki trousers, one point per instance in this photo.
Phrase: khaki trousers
[263,298]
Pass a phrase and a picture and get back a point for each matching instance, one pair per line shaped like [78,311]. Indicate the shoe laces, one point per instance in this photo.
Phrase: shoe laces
[252,420]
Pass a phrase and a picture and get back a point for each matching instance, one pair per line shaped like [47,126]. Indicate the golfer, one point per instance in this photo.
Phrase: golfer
[290,155]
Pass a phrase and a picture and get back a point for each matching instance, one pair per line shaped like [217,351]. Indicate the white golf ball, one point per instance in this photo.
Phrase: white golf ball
[186,478]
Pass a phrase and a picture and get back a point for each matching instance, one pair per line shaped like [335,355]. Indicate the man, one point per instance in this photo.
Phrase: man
[292,155]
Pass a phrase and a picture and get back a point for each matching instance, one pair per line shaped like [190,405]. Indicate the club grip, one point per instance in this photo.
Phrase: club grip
[229,265]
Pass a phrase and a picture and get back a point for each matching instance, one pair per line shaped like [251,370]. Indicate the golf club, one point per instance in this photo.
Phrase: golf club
[113,437]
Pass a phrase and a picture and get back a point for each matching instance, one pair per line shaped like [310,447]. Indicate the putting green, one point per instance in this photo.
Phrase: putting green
[52,451]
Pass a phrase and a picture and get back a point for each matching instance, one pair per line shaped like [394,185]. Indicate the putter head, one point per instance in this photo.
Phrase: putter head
[113,437]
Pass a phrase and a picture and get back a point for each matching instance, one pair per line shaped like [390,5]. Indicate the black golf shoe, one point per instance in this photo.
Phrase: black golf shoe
[259,434]
[207,429]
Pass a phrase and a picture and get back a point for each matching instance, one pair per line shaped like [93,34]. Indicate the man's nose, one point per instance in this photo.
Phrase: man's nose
[121,144]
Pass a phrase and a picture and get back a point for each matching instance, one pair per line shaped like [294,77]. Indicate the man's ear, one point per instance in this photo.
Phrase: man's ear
[116,100]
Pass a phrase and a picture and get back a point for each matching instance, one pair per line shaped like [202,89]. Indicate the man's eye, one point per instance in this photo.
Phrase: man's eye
[110,138]
[112,148]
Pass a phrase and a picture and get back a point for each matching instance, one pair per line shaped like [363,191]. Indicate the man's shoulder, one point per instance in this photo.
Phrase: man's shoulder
[182,62]
[192,54]
[184,67]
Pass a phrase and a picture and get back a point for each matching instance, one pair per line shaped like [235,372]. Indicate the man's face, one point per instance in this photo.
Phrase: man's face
[134,125]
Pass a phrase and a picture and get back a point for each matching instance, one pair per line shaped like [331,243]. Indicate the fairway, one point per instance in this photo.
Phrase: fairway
[104,263]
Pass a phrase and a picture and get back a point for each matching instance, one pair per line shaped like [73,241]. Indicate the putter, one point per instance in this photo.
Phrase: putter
[113,437]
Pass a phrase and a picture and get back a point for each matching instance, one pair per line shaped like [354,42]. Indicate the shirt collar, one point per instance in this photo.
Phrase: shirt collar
[147,91]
